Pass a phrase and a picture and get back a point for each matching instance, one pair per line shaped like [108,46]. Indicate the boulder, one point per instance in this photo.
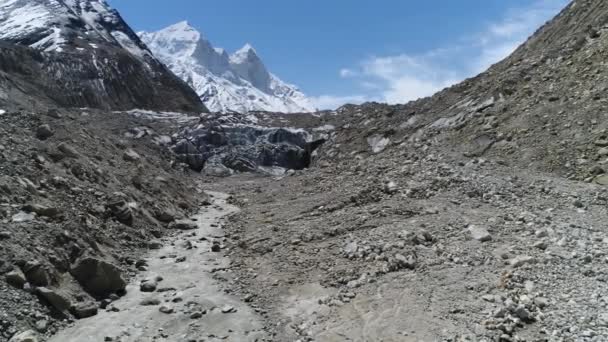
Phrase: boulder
[602,179]
[26,336]
[165,215]
[183,225]
[16,278]
[98,277]
[44,132]
[67,150]
[36,274]
[43,210]
[57,300]
[121,211]
[84,310]
[480,234]
[148,286]
[130,156]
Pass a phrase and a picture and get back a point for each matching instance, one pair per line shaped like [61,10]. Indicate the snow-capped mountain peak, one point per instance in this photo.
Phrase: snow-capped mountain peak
[238,82]
[244,53]
[179,40]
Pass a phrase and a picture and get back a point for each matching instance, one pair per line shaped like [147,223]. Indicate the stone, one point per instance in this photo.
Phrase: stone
[522,260]
[42,210]
[216,247]
[44,132]
[228,309]
[601,143]
[26,336]
[542,244]
[22,217]
[98,277]
[601,180]
[84,310]
[523,313]
[16,278]
[166,309]
[148,286]
[42,325]
[541,302]
[5,235]
[479,233]
[165,215]
[183,225]
[36,274]
[67,150]
[391,187]
[405,262]
[130,156]
[121,210]
[196,315]
[150,302]
[56,299]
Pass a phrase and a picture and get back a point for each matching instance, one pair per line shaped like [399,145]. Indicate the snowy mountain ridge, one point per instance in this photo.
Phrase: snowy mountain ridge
[225,83]
[53,25]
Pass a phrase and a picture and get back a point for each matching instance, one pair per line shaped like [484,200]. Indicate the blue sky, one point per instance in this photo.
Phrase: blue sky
[341,51]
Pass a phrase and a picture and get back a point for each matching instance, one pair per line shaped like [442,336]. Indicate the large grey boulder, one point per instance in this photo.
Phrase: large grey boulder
[98,277]
[36,274]
[56,299]
[16,278]
[26,336]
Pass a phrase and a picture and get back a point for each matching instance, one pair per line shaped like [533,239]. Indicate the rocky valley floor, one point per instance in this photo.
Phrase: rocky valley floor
[407,244]
[436,250]
[414,242]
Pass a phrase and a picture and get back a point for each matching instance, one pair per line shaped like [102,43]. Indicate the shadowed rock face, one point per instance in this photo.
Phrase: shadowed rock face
[113,80]
[245,147]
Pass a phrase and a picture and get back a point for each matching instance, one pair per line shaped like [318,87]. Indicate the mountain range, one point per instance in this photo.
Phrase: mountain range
[239,82]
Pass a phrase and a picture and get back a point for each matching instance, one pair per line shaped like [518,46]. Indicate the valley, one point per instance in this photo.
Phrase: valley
[137,206]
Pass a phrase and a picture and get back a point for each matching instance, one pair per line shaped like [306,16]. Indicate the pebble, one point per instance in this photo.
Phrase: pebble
[479,233]
[228,309]
[150,302]
[148,286]
[522,260]
[166,309]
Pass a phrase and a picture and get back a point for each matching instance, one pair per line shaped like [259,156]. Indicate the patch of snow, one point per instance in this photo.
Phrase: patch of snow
[53,25]
[2,112]
[325,128]
[378,143]
[237,83]
[129,45]
[168,116]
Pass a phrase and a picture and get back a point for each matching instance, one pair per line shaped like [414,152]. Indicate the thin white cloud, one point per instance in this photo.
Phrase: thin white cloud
[346,73]
[405,77]
[502,38]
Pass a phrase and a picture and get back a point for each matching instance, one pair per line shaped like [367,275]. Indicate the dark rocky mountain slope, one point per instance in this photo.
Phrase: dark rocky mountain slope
[542,107]
[80,53]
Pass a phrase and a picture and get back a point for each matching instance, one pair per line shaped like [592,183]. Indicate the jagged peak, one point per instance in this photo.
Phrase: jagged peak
[182,31]
[244,54]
